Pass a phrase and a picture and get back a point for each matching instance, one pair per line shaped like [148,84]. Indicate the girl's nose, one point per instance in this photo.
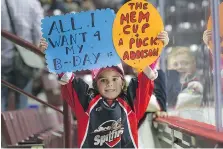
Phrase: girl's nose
[109,83]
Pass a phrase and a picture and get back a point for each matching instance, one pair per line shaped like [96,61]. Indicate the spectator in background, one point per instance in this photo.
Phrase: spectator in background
[183,62]
[113,4]
[65,6]
[23,18]
[88,5]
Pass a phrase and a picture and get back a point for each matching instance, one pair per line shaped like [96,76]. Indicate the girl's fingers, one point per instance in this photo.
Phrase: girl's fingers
[207,36]
[44,44]
[43,48]
[208,33]
[43,39]
[206,39]
[162,35]
[163,32]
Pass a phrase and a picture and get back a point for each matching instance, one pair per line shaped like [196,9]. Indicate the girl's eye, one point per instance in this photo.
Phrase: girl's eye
[103,80]
[115,79]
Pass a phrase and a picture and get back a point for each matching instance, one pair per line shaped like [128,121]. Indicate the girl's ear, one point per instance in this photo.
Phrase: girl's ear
[124,85]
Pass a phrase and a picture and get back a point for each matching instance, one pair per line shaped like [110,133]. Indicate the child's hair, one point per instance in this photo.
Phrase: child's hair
[181,50]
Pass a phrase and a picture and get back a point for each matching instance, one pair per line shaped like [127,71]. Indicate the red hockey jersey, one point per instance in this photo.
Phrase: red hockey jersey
[103,126]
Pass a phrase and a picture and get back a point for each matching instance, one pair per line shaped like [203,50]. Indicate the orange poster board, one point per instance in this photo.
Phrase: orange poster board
[209,27]
[135,29]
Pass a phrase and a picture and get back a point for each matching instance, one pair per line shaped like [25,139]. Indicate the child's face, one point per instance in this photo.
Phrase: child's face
[110,84]
[184,64]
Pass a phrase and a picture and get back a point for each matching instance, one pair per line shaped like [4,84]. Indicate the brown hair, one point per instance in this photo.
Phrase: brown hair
[181,50]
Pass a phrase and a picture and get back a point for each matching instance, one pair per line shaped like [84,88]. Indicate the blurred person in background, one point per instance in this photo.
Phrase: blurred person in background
[183,61]
[113,4]
[87,5]
[65,6]
[58,7]
[23,18]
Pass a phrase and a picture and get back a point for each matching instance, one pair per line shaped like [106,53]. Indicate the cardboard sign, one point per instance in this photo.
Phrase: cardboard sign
[209,27]
[80,41]
[135,29]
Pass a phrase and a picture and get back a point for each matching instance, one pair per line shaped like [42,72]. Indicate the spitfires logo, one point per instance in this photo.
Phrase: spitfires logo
[109,132]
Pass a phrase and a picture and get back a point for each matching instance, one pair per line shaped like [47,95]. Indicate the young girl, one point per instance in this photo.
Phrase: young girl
[108,115]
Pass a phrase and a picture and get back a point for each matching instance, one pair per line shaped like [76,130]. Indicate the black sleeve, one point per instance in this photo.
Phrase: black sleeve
[83,91]
[173,87]
[160,89]
[131,91]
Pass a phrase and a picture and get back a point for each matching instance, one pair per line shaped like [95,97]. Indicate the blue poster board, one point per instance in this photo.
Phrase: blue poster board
[80,41]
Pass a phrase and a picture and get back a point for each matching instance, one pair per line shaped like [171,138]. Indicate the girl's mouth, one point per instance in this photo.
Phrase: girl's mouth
[110,90]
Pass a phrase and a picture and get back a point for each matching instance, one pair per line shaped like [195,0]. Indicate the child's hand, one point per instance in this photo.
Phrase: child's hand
[207,36]
[163,36]
[161,114]
[196,86]
[43,45]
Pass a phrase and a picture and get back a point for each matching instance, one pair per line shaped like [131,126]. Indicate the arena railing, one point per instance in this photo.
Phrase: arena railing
[66,110]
